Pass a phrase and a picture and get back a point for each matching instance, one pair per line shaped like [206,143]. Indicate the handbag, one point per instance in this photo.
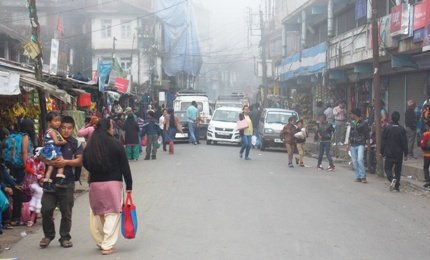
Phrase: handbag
[4,202]
[242,124]
[144,141]
[128,218]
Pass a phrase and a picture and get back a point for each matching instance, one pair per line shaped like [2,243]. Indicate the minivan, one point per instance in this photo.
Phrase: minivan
[272,121]
[222,127]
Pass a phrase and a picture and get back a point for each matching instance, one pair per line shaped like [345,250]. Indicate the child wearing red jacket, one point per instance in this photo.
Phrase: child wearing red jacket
[425,146]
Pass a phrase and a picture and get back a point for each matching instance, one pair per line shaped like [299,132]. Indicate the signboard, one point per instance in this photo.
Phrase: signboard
[55,49]
[121,84]
[426,41]
[420,15]
[400,20]
[31,50]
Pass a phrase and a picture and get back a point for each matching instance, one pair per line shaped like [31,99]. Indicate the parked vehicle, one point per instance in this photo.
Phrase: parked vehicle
[271,123]
[182,115]
[222,127]
[183,101]
[232,100]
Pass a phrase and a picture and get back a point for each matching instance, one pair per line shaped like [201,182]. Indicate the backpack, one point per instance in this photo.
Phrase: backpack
[12,152]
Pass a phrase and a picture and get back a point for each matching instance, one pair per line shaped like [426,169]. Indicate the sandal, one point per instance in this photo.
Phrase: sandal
[45,242]
[66,243]
[107,252]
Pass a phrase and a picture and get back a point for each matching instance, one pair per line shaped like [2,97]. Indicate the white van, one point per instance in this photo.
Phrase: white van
[222,127]
[183,101]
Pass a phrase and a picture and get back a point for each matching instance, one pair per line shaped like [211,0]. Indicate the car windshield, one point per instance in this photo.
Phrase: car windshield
[278,118]
[185,105]
[227,104]
[182,115]
[226,116]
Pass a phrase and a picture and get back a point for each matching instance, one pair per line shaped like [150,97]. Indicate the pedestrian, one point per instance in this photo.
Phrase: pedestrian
[328,112]
[319,109]
[339,113]
[246,134]
[35,169]
[384,115]
[393,146]
[152,132]
[172,125]
[116,108]
[357,140]
[192,114]
[411,127]
[62,198]
[161,123]
[325,134]
[300,138]
[131,137]
[23,133]
[287,134]
[425,146]
[52,142]
[107,164]
[88,129]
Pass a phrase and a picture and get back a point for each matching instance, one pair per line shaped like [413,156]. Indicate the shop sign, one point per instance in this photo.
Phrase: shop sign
[9,83]
[420,15]
[55,49]
[121,85]
[400,20]
[426,41]
[31,50]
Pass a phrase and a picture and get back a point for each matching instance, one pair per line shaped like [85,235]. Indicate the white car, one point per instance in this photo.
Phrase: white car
[222,127]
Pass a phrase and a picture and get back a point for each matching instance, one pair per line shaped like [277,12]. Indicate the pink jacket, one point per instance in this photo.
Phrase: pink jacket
[86,132]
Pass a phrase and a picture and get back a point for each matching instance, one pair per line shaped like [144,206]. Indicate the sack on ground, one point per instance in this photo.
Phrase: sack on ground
[128,218]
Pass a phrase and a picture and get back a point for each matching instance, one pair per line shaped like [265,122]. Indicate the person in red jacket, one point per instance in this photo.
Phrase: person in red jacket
[425,146]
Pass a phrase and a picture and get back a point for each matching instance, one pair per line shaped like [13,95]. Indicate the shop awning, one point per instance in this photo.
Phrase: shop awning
[51,89]
[308,62]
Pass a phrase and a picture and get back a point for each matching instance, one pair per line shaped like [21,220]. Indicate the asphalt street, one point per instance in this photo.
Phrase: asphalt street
[206,203]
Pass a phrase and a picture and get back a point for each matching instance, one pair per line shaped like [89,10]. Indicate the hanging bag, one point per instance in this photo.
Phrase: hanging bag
[128,218]
[4,202]
[242,124]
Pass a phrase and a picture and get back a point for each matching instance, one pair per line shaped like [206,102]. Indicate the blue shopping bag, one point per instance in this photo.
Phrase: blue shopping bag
[4,202]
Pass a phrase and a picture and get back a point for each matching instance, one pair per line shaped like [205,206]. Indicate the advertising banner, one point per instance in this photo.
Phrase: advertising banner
[400,16]
[121,84]
[420,15]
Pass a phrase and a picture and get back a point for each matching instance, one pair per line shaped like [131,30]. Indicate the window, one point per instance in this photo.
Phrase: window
[125,63]
[106,28]
[125,29]
[346,21]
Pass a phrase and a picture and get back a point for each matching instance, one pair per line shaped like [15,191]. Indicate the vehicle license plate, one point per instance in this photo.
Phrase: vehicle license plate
[223,134]
[180,135]
[278,140]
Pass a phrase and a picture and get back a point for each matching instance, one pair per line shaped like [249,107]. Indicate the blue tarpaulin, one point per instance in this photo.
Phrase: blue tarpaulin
[181,41]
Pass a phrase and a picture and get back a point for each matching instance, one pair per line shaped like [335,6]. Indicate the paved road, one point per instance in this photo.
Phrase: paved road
[206,203]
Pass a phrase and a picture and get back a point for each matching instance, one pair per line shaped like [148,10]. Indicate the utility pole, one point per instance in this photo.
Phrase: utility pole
[38,66]
[263,58]
[377,88]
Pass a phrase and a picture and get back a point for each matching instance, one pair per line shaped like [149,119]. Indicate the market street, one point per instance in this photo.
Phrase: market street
[206,203]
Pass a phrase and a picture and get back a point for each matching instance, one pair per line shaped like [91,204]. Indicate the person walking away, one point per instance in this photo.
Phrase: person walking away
[172,126]
[107,164]
[325,134]
[339,113]
[393,146]
[300,137]
[162,124]
[357,140]
[17,150]
[131,139]
[425,146]
[62,198]
[192,113]
[328,112]
[287,134]
[153,132]
[246,134]
[411,127]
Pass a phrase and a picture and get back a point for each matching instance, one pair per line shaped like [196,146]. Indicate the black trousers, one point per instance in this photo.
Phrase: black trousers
[397,164]
[426,169]
[63,197]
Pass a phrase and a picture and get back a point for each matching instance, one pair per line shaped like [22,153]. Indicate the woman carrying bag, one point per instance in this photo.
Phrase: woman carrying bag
[106,161]
[245,133]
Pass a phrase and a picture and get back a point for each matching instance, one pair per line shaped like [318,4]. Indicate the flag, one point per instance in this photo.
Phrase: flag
[60,28]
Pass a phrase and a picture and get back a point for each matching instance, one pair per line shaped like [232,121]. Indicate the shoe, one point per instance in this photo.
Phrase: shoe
[357,180]
[107,252]
[30,223]
[297,160]
[195,143]
[154,157]
[44,243]
[363,180]
[48,187]
[397,189]
[427,185]
[320,168]
[164,150]
[302,165]
[247,158]
[340,143]
[334,144]
[330,169]
[290,165]
[147,158]
[7,226]
[392,184]
[61,183]
[65,243]
[241,155]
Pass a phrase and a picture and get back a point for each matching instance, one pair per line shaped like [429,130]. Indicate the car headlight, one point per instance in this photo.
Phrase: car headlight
[211,127]
[268,131]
